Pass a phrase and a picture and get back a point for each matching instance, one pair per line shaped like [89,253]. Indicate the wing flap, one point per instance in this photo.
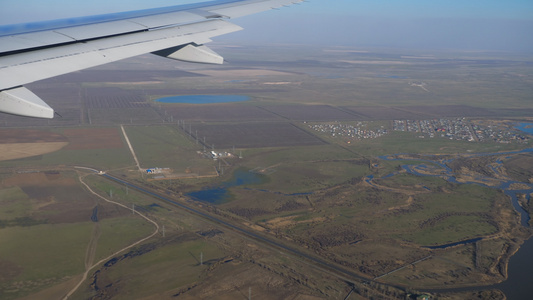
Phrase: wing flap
[28,67]
[34,51]
[192,53]
[21,101]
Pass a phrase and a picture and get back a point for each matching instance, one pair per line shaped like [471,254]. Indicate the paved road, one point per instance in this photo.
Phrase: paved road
[323,265]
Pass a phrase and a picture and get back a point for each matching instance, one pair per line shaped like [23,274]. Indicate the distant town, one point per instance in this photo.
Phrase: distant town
[453,129]
[358,131]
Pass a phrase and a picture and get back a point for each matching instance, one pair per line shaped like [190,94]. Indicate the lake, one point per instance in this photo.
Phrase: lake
[204,99]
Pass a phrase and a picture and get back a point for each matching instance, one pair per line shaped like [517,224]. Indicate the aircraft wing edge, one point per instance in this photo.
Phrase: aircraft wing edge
[30,52]
[25,68]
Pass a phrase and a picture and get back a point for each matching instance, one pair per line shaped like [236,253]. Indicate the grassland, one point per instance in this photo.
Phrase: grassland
[46,229]
[315,192]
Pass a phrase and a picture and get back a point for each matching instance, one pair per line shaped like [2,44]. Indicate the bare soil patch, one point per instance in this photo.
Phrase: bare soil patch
[256,135]
[241,73]
[108,97]
[382,113]
[220,112]
[418,112]
[21,143]
[450,111]
[9,270]
[13,136]
[60,199]
[311,112]
[94,138]
[22,150]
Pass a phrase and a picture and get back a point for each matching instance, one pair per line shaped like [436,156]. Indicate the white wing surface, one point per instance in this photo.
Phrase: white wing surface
[35,51]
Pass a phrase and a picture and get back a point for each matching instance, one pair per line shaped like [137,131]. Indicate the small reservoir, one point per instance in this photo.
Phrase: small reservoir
[220,194]
[203,99]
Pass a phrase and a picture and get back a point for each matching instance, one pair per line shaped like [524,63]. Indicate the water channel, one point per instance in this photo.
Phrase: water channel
[517,286]
[519,282]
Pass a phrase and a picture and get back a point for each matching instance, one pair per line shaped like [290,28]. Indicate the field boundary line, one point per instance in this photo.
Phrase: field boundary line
[131,147]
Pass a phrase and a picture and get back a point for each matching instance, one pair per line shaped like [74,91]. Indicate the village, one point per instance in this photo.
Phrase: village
[463,129]
[453,129]
[358,131]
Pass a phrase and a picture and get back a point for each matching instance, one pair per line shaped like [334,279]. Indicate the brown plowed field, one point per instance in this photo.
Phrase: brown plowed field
[311,112]
[220,112]
[93,138]
[21,143]
[255,135]
[15,136]
[22,150]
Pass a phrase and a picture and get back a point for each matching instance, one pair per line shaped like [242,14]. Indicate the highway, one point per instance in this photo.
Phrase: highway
[318,263]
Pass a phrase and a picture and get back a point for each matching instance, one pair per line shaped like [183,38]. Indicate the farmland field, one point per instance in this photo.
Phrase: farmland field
[330,196]
[255,135]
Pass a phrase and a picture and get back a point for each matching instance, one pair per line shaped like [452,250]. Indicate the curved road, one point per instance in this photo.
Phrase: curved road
[88,269]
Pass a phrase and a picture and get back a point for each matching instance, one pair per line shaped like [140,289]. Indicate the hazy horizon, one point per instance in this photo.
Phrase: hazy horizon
[455,25]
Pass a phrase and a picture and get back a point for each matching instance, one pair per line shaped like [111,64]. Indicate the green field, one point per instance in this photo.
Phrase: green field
[40,256]
[167,147]
[318,198]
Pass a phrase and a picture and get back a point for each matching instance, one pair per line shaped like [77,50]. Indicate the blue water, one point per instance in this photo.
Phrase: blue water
[446,173]
[525,127]
[220,194]
[204,99]
[518,285]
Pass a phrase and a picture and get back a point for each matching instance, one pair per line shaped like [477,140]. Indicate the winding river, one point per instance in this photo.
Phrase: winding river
[519,283]
[517,286]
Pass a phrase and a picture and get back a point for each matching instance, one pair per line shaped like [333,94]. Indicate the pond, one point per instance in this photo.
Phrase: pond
[525,127]
[220,194]
[203,99]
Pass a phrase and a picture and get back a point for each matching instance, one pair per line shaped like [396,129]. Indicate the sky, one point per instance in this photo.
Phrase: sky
[492,25]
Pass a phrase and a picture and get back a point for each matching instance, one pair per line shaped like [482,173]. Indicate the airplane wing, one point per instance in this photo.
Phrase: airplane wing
[34,51]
